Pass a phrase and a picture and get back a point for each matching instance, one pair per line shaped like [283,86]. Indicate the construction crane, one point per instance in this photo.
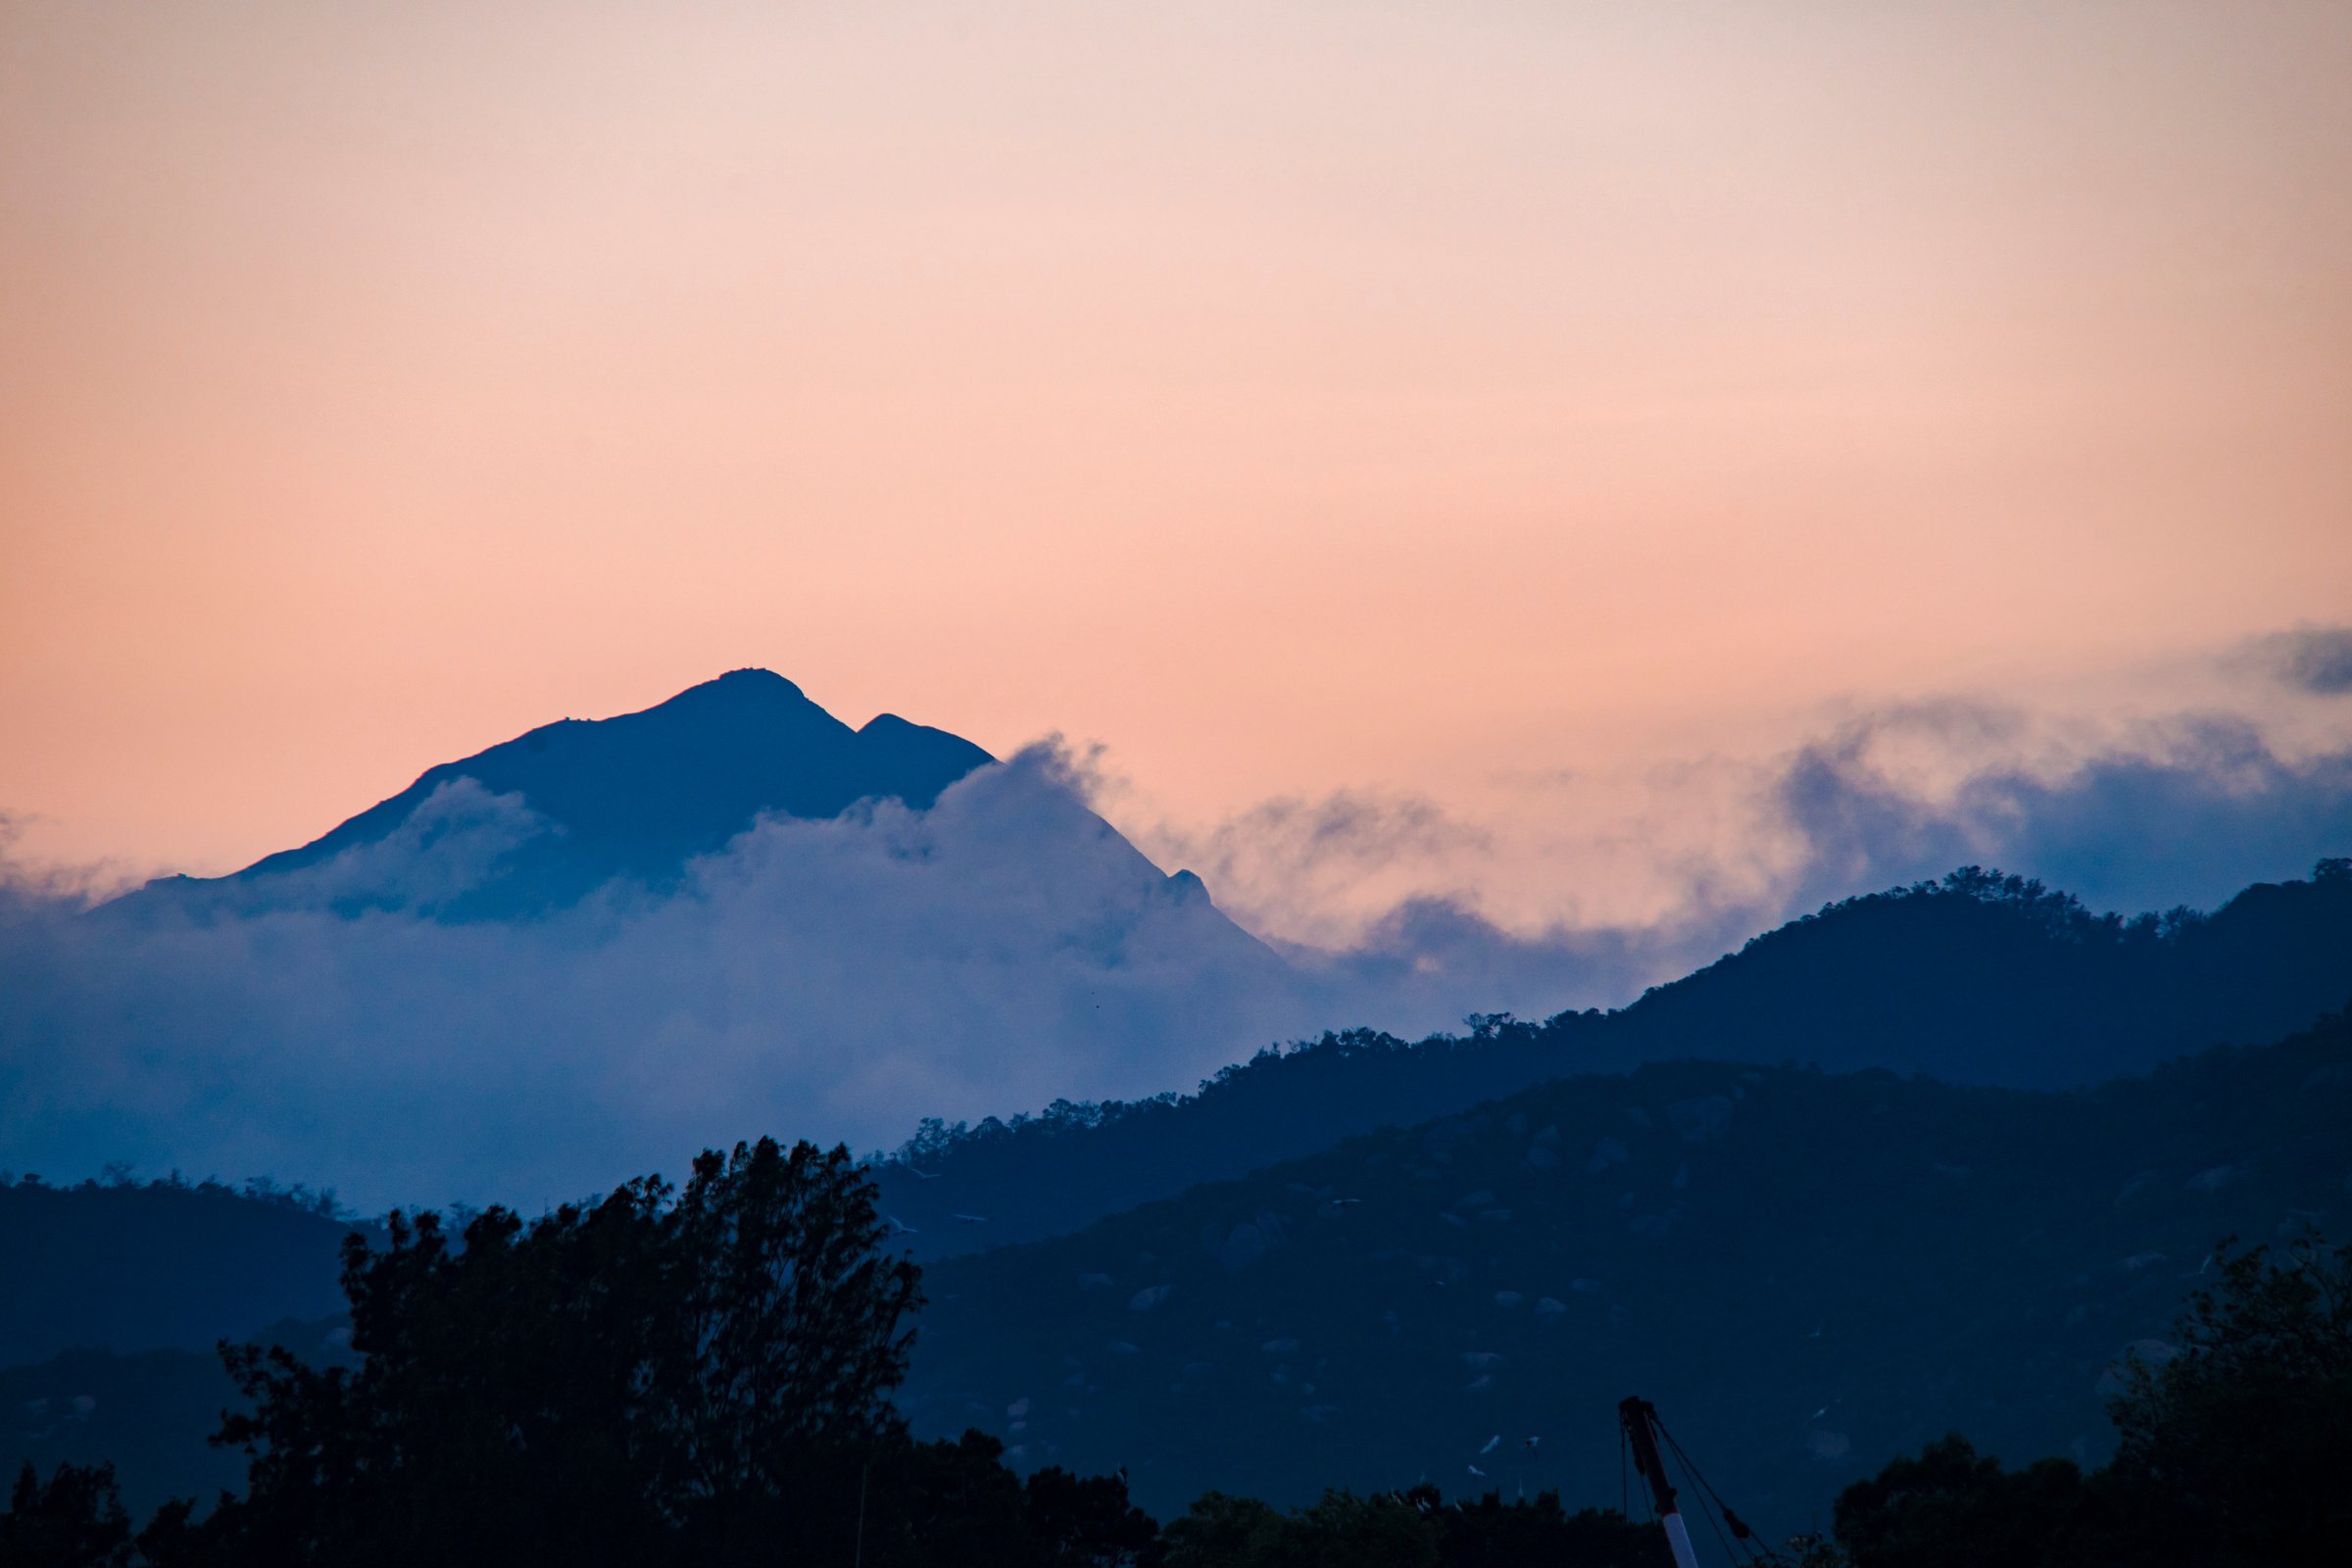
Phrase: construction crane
[1643,1431]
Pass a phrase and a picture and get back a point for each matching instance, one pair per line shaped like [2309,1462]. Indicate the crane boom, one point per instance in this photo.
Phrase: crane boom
[1639,1418]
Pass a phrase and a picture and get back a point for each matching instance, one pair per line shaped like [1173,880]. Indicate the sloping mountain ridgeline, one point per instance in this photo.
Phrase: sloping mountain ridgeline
[635,796]
[2275,952]
[1808,1272]
[1979,979]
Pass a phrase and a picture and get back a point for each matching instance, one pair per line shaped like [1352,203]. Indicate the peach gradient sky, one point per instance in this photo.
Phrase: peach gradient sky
[1290,397]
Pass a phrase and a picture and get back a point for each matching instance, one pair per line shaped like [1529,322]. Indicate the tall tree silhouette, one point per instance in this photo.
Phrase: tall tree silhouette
[606,1384]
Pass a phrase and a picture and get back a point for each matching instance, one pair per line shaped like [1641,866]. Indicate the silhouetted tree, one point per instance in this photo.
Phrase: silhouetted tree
[2237,1447]
[72,1520]
[1414,1528]
[597,1386]
[1952,1508]
[2234,1448]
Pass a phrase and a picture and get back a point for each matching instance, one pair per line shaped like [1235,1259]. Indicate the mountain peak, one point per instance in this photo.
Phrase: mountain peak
[638,795]
[749,684]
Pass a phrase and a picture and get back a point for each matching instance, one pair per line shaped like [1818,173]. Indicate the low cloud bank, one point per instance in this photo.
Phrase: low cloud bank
[2184,811]
[834,979]
[841,979]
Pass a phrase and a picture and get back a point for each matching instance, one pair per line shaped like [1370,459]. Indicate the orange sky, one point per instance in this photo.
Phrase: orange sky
[1290,397]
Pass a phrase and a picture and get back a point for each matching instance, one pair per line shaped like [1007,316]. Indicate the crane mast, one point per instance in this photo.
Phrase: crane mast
[1639,1418]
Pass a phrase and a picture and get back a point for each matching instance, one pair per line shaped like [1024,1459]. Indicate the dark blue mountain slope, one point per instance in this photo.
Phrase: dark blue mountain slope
[637,795]
[167,1264]
[1808,1272]
[1977,979]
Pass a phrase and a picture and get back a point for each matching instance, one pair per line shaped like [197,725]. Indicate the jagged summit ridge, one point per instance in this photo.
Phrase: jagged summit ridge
[638,795]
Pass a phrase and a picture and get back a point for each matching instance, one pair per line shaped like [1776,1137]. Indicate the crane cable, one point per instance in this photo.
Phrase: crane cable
[1757,1552]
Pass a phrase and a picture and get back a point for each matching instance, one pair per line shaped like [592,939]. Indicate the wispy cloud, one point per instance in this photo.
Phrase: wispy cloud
[2317,660]
[840,979]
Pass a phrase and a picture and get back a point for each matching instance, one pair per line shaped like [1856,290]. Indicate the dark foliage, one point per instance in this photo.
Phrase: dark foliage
[2235,1443]
[698,1377]
[1809,1272]
[1952,1508]
[596,1386]
[1411,1529]
[2236,1447]
[71,1520]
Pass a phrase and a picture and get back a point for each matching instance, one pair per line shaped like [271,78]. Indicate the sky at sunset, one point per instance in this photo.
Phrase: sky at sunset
[1407,447]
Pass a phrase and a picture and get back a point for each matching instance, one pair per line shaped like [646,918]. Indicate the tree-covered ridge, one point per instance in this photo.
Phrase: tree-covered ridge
[2235,1437]
[694,1375]
[1976,978]
[169,1262]
[1811,1271]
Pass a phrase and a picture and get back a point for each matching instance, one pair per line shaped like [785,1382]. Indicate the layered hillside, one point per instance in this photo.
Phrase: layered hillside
[1979,979]
[1808,1272]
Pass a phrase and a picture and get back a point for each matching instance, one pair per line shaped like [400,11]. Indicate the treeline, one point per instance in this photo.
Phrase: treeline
[223,1258]
[699,1375]
[702,1374]
[1979,978]
[2235,1447]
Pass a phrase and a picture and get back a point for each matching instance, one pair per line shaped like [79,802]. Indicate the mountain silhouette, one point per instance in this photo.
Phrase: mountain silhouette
[1810,1272]
[1975,979]
[632,798]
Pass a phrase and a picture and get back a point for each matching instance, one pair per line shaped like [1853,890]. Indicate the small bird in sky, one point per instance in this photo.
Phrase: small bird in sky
[899,1227]
[1476,1471]
[1531,1442]
[922,1175]
[1493,1443]
[973,1219]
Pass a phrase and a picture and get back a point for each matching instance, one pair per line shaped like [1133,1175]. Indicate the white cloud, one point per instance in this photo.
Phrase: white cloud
[840,979]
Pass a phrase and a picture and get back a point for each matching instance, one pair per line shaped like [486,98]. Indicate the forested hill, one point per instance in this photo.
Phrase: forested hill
[147,1265]
[1808,1272]
[1977,979]
[1996,980]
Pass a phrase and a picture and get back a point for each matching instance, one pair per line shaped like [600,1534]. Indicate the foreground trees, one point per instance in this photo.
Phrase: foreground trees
[603,1385]
[703,1376]
[1414,1529]
[697,1376]
[2234,1448]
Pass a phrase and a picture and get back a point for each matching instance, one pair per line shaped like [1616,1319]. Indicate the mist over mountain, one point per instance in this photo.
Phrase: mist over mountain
[630,799]
[577,952]
[1974,979]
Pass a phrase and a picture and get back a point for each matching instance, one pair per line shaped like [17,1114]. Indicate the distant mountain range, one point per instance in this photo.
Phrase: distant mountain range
[1834,1194]
[1807,1272]
[1979,979]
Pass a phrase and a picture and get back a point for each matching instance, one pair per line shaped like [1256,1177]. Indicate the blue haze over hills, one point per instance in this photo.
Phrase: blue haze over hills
[1840,1190]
